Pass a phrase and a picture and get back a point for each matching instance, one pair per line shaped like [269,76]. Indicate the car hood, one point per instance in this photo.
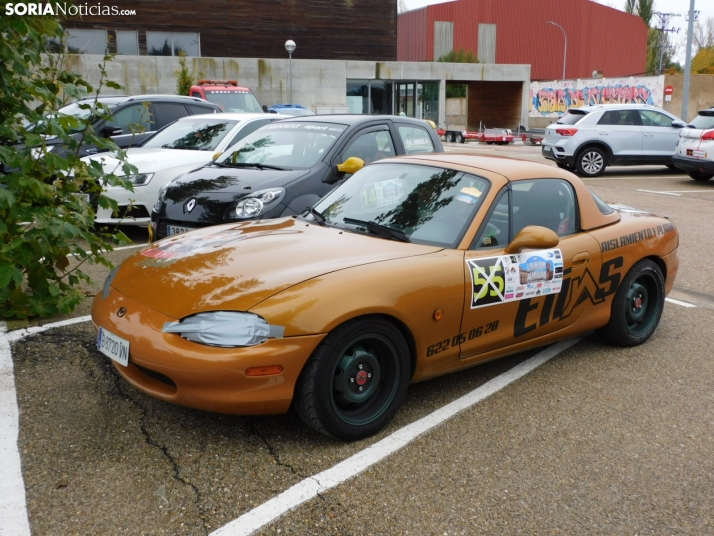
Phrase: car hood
[152,160]
[234,267]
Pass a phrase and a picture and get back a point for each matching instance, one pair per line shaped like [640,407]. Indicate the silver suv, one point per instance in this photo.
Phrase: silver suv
[695,152]
[588,139]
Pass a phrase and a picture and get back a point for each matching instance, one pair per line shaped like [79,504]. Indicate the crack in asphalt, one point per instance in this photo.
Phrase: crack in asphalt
[271,450]
[119,386]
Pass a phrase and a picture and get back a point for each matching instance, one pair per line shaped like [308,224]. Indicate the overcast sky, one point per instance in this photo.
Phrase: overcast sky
[681,7]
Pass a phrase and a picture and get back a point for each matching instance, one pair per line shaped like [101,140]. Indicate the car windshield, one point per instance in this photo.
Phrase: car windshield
[233,101]
[430,205]
[192,134]
[704,121]
[292,144]
[571,117]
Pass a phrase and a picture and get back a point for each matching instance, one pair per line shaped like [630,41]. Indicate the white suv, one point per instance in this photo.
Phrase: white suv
[588,139]
[695,151]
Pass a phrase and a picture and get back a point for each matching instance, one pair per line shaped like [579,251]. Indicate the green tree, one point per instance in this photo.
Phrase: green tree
[46,222]
[184,80]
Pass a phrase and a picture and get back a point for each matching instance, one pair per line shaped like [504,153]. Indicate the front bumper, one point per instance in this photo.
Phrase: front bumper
[172,369]
[692,164]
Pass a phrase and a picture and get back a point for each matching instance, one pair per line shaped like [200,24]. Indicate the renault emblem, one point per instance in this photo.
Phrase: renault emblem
[190,205]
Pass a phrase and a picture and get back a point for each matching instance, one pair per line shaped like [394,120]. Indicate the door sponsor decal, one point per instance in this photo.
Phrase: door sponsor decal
[514,277]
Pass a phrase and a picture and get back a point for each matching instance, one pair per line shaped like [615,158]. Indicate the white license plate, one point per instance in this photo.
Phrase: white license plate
[113,346]
[700,154]
[172,230]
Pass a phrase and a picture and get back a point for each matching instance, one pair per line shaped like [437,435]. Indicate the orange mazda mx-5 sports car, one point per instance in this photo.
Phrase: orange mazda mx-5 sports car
[413,268]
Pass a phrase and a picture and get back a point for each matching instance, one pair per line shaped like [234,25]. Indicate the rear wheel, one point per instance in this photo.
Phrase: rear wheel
[591,162]
[355,381]
[459,138]
[699,176]
[637,306]
[449,137]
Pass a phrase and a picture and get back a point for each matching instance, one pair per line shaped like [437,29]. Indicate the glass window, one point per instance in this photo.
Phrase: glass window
[429,205]
[198,109]
[650,118]
[248,129]
[168,112]
[429,101]
[381,97]
[172,43]
[495,232]
[291,144]
[416,140]
[571,117]
[230,100]
[132,119]
[192,134]
[86,41]
[549,203]
[370,147]
[357,96]
[704,121]
[618,117]
[127,43]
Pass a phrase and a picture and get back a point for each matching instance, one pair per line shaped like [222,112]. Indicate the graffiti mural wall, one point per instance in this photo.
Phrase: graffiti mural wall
[552,99]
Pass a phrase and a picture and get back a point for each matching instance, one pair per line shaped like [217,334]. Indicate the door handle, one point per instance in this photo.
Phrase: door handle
[581,259]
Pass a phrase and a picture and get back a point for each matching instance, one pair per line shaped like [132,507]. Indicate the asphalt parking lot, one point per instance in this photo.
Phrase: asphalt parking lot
[596,440]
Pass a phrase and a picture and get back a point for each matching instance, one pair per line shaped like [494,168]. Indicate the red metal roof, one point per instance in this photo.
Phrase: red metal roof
[599,37]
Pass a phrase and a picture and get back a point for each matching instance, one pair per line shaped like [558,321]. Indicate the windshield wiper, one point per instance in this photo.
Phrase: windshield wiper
[251,164]
[319,218]
[378,229]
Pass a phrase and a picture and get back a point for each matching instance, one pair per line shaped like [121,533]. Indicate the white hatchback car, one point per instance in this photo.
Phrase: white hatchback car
[695,151]
[590,138]
[187,144]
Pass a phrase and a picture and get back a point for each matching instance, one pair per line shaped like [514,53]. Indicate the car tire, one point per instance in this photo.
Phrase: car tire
[591,162]
[637,306]
[355,380]
[699,176]
[449,137]
[459,138]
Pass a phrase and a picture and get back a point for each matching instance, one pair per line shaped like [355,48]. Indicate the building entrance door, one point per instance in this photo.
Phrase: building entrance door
[404,98]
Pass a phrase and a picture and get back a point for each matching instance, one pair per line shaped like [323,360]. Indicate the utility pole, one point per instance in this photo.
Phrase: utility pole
[663,44]
[688,63]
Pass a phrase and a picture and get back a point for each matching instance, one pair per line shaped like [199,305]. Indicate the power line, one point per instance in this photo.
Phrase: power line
[664,30]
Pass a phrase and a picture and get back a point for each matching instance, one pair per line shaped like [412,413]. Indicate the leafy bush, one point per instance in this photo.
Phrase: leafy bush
[460,56]
[45,215]
[184,80]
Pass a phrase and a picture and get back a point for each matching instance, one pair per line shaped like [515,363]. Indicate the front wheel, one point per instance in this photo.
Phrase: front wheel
[699,176]
[637,306]
[590,162]
[355,381]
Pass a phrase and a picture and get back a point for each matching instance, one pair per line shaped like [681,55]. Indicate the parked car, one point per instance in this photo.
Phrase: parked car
[695,151]
[228,95]
[134,119]
[184,145]
[414,267]
[284,167]
[290,109]
[590,138]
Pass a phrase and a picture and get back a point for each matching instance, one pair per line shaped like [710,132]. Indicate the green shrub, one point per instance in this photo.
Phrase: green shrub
[184,80]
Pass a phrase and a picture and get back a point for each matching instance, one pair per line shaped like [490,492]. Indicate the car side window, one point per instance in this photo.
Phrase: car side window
[618,117]
[168,112]
[416,140]
[650,118]
[196,94]
[133,119]
[248,129]
[198,109]
[549,203]
[370,146]
[495,232]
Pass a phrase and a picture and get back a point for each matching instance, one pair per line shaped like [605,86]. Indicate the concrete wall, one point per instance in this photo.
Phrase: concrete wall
[701,94]
[316,83]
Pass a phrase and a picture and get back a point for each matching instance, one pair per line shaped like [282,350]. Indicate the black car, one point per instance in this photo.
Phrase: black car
[285,167]
[133,118]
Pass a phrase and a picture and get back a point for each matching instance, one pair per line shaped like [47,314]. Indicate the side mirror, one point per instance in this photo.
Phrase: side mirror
[533,237]
[678,124]
[351,165]
[265,108]
[108,132]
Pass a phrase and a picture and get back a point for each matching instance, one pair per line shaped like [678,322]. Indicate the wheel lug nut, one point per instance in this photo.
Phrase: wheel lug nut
[352,380]
[369,374]
[360,387]
[359,366]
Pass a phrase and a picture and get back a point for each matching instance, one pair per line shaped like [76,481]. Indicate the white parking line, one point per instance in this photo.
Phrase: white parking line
[309,488]
[660,193]
[710,191]
[677,302]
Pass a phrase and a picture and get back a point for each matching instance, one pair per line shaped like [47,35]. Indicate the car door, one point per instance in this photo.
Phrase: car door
[659,137]
[136,121]
[515,297]
[369,144]
[621,130]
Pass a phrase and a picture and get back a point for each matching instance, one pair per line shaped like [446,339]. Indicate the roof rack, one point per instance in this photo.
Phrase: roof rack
[205,82]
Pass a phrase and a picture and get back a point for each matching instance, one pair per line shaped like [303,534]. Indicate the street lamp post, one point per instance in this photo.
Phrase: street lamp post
[290,47]
[565,51]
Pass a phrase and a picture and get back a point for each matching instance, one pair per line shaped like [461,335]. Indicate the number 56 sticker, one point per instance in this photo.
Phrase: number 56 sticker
[489,281]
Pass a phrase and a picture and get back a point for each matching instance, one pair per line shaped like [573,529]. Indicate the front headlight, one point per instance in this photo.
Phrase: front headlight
[256,204]
[140,179]
[162,196]
[225,328]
